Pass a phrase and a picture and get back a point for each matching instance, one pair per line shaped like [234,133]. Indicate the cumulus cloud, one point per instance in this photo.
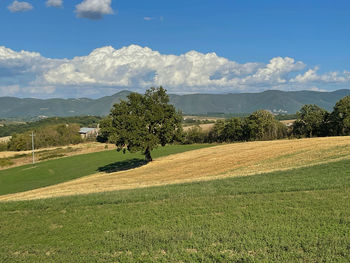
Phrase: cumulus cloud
[18,6]
[54,3]
[136,68]
[330,77]
[94,9]
[24,62]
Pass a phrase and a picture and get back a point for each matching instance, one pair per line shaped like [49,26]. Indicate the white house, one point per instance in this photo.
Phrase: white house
[88,132]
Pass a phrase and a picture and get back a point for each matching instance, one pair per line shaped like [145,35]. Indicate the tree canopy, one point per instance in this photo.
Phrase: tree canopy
[311,121]
[142,122]
[340,117]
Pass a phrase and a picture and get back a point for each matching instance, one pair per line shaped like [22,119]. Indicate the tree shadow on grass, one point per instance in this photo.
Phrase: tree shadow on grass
[122,165]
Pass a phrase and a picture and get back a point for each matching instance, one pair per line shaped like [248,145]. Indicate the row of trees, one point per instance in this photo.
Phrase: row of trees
[83,121]
[260,125]
[314,121]
[55,135]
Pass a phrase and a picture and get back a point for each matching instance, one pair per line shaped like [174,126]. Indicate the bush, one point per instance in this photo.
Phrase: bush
[195,135]
[3,147]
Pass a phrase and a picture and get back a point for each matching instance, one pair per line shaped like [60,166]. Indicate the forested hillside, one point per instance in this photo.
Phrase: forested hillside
[273,100]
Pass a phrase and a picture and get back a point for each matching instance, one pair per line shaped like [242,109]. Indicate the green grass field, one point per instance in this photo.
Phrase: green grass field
[302,215]
[51,172]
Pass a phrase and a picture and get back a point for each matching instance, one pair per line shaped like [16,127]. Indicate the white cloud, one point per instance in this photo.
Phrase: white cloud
[18,6]
[54,3]
[14,63]
[136,68]
[311,76]
[150,18]
[39,89]
[9,90]
[94,9]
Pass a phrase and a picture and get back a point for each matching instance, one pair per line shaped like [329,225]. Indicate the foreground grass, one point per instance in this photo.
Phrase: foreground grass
[51,172]
[301,215]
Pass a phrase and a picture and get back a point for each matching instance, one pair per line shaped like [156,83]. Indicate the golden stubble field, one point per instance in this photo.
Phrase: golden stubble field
[70,150]
[229,160]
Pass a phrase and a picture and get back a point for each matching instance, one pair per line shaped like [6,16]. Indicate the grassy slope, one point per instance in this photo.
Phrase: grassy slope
[51,172]
[301,215]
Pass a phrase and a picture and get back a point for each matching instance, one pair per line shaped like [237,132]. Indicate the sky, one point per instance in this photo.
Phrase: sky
[94,48]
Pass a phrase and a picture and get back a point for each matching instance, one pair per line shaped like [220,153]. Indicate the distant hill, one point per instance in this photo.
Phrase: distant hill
[274,100]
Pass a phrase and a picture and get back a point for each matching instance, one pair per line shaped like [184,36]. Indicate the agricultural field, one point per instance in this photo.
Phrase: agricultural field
[206,127]
[59,170]
[300,215]
[227,160]
[5,139]
[267,201]
[18,158]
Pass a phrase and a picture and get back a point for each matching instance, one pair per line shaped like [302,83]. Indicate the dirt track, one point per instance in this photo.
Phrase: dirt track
[205,164]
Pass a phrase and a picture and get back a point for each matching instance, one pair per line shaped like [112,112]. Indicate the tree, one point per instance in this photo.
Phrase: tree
[143,122]
[340,117]
[215,134]
[311,121]
[233,130]
[106,128]
[261,125]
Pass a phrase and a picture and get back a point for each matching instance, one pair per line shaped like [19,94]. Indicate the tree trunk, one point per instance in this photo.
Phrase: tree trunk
[148,156]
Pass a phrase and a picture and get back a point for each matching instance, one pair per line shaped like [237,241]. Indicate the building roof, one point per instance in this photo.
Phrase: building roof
[86,130]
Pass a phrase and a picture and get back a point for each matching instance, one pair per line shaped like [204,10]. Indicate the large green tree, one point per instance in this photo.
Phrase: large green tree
[142,122]
[311,121]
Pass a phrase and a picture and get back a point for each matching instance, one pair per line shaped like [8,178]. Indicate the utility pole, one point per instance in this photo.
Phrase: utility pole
[33,147]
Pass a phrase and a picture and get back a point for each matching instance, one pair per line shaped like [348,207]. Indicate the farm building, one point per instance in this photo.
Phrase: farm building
[88,132]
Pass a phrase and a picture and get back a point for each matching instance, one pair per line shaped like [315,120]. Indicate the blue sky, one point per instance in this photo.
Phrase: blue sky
[248,34]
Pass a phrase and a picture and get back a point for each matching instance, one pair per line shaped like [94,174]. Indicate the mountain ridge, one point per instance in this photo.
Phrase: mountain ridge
[273,100]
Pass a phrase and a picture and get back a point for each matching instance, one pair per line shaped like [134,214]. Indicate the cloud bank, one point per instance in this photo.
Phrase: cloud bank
[18,6]
[94,9]
[107,70]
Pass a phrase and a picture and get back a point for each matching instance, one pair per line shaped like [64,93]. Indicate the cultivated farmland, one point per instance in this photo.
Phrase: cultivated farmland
[302,215]
[231,160]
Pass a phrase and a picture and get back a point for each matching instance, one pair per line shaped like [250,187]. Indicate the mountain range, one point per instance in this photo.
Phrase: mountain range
[274,100]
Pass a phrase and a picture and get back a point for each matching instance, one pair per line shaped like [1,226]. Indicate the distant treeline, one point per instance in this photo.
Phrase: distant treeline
[47,136]
[86,121]
[260,125]
[311,121]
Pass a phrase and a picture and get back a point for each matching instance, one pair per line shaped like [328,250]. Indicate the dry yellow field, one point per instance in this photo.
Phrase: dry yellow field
[81,148]
[5,139]
[222,161]
[205,127]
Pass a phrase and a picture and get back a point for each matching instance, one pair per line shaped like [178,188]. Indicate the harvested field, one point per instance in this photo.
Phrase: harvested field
[203,118]
[5,139]
[288,122]
[205,127]
[222,161]
[63,151]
